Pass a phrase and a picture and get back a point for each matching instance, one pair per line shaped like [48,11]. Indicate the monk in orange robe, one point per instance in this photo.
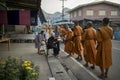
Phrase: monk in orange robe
[89,38]
[69,46]
[50,29]
[77,40]
[104,48]
[62,31]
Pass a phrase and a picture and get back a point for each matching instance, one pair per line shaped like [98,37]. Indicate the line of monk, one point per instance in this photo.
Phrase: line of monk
[96,45]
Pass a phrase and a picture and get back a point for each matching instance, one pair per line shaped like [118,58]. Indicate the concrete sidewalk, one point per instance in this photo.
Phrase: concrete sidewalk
[27,51]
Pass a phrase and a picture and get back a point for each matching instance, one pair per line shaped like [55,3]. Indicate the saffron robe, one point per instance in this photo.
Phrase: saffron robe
[77,39]
[104,47]
[62,31]
[89,38]
[69,46]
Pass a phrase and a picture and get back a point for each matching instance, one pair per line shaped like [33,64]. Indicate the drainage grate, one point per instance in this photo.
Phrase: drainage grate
[59,72]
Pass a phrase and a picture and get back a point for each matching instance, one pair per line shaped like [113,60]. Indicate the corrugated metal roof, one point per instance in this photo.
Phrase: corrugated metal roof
[22,4]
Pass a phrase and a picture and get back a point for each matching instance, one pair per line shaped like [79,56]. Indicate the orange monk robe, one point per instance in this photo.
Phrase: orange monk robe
[104,48]
[50,29]
[77,39]
[62,31]
[90,45]
[69,46]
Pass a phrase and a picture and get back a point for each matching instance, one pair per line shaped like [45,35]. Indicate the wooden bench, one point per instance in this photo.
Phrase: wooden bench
[22,37]
[6,39]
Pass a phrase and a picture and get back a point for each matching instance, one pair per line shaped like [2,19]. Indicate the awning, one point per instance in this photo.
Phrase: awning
[22,11]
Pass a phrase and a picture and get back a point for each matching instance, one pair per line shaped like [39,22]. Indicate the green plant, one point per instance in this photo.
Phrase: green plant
[18,69]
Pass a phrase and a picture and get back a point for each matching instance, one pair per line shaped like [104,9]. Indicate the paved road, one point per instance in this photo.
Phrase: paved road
[114,72]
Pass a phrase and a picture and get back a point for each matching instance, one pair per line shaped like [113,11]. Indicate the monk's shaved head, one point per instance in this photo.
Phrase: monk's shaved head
[89,24]
[106,21]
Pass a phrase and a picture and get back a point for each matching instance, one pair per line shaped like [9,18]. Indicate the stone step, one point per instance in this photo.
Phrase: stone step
[57,69]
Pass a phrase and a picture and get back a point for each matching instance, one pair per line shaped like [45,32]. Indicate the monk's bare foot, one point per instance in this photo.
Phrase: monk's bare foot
[102,76]
[86,65]
[77,58]
[92,67]
[69,55]
[80,59]
[106,76]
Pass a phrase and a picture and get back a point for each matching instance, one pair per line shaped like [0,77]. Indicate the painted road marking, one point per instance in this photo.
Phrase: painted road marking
[116,48]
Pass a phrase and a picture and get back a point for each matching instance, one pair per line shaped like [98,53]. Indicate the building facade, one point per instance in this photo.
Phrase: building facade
[95,12]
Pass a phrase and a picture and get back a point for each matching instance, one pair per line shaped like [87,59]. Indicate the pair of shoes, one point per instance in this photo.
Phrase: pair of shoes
[57,56]
[40,53]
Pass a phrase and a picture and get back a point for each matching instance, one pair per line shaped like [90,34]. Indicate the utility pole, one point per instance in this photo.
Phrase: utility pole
[63,8]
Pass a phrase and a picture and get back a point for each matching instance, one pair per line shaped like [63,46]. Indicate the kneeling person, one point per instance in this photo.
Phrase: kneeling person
[52,44]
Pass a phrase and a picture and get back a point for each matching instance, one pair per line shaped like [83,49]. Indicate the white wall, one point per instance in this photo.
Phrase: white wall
[19,28]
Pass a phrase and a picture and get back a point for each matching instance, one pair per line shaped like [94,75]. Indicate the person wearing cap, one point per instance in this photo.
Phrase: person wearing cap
[104,48]
[89,38]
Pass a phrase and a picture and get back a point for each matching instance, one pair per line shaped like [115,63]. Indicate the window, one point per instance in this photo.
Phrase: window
[89,12]
[79,13]
[75,14]
[114,13]
[102,13]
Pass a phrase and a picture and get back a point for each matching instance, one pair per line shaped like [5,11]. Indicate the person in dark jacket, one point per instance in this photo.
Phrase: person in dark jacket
[52,44]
